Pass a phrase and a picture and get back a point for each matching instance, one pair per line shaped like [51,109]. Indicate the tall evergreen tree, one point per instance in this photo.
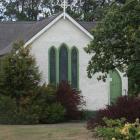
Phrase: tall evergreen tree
[20,74]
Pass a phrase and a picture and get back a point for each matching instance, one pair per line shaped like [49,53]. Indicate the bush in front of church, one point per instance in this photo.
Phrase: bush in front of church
[54,113]
[127,107]
[71,99]
[50,104]
[47,108]
[42,108]
[58,103]
[9,114]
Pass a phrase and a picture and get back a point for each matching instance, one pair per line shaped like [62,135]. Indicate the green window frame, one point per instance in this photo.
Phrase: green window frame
[59,65]
[52,65]
[63,63]
[74,68]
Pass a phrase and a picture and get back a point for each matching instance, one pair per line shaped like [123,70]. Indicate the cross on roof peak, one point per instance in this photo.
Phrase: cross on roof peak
[64,5]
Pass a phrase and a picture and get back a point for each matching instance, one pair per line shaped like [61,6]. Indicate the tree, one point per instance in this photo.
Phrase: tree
[94,10]
[21,9]
[30,10]
[116,41]
[134,78]
[20,75]
[89,10]
[1,10]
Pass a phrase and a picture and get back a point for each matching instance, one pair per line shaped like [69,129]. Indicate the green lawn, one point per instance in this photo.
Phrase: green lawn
[68,131]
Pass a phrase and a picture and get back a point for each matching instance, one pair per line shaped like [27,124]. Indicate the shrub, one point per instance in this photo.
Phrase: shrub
[54,113]
[25,117]
[7,109]
[70,99]
[45,95]
[66,97]
[125,107]
[48,105]
[111,129]
[118,130]
[9,115]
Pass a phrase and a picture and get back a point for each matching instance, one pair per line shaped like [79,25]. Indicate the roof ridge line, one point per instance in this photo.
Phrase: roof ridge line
[18,22]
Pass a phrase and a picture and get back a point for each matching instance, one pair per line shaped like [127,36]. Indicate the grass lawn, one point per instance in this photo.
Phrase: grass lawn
[66,131]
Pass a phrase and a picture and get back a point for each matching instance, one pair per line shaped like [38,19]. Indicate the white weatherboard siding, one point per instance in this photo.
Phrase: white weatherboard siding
[64,31]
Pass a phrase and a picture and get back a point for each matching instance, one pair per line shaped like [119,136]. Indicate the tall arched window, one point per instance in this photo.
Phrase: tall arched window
[52,64]
[74,68]
[63,63]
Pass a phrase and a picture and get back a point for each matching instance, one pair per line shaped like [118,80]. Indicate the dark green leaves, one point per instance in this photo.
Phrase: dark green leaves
[116,41]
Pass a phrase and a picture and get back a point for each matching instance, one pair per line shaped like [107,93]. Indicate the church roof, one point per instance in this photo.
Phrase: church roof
[11,32]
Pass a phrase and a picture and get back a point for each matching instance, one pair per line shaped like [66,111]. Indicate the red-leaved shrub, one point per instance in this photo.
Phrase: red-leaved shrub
[127,107]
[70,99]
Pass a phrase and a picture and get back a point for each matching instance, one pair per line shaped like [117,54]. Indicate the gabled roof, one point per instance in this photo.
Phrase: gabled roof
[11,32]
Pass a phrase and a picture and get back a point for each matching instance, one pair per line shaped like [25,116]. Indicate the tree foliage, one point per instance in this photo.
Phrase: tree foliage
[116,41]
[20,75]
[30,10]
[21,9]
[94,10]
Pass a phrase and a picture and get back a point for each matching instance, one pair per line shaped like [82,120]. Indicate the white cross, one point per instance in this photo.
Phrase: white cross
[64,5]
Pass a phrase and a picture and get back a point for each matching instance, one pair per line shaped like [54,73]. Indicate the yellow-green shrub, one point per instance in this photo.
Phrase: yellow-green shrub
[119,130]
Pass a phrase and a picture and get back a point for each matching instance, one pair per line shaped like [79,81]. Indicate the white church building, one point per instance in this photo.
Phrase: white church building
[58,44]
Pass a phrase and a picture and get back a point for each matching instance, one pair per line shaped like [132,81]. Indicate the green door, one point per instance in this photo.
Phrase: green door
[115,86]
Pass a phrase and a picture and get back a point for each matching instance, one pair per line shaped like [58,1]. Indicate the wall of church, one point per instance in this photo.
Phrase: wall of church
[96,93]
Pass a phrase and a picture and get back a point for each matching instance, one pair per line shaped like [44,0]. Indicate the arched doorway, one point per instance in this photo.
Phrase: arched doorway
[115,85]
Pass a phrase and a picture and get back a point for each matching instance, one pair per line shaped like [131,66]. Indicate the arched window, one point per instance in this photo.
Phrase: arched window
[74,68]
[63,63]
[52,64]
